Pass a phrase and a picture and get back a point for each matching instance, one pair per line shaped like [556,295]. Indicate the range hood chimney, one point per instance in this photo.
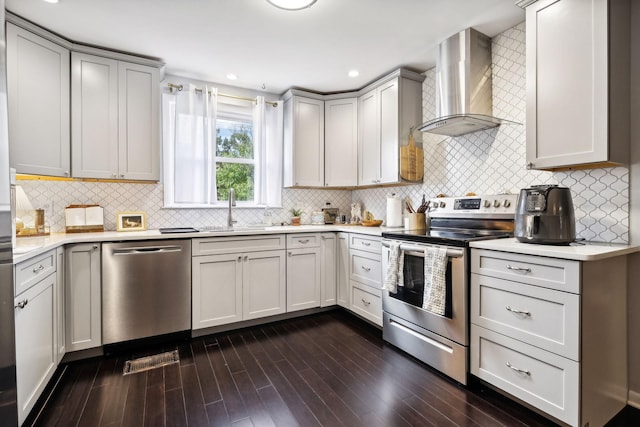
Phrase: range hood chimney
[463,86]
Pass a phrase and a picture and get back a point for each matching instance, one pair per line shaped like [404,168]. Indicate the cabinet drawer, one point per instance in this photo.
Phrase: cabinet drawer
[365,243]
[226,245]
[541,317]
[366,302]
[295,241]
[366,268]
[545,380]
[29,272]
[553,273]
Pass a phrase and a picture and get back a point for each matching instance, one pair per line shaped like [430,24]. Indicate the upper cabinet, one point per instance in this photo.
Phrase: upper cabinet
[577,83]
[98,118]
[387,110]
[340,142]
[38,99]
[115,111]
[303,140]
[350,139]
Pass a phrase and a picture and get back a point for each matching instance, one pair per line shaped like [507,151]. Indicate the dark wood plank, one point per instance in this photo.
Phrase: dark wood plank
[92,413]
[196,413]
[232,400]
[83,379]
[154,409]
[117,387]
[234,364]
[134,406]
[176,414]
[185,353]
[242,349]
[208,382]
[277,408]
[172,379]
[217,414]
[252,401]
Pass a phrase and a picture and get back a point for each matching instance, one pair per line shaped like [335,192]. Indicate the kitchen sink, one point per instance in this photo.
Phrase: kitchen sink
[214,228]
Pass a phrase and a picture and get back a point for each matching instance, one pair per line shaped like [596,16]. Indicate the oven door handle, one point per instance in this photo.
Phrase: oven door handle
[415,250]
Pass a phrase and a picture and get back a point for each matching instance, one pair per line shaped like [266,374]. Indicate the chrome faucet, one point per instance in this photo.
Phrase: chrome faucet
[232,202]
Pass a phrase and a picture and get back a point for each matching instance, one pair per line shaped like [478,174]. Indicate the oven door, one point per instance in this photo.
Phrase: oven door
[407,303]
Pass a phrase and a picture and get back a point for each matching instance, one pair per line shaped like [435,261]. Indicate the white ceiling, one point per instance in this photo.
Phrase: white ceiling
[313,48]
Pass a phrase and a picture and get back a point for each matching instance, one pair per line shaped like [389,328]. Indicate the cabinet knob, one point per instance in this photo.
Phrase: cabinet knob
[246,257]
[530,165]
[304,242]
[66,173]
[22,304]
[239,259]
[95,247]
[367,269]
[365,302]
[38,269]
[121,175]
[290,254]
[113,175]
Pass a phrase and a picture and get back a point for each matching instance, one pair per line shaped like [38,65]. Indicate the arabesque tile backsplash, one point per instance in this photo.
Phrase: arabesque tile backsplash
[486,162]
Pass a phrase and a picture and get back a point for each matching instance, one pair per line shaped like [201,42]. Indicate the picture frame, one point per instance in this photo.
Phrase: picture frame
[131,221]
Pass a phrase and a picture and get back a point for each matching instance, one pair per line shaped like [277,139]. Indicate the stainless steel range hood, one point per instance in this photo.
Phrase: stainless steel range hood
[463,86]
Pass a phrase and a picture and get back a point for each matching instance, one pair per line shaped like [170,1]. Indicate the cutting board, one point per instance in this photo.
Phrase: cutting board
[411,161]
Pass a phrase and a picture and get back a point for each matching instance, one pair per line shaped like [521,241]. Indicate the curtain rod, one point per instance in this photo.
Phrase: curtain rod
[179,88]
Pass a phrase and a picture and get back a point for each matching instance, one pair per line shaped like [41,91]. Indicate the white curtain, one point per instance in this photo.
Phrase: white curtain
[189,143]
[268,137]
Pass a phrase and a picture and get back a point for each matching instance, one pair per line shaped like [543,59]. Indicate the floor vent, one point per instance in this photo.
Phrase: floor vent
[150,362]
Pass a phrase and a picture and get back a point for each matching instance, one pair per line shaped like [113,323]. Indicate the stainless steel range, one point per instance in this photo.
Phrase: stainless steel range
[441,340]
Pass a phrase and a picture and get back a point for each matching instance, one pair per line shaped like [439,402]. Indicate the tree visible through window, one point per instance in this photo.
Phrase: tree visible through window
[235,159]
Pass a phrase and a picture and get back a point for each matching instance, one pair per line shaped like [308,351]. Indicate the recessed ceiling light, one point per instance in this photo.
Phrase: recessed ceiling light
[292,4]
[51,1]
[232,76]
[354,73]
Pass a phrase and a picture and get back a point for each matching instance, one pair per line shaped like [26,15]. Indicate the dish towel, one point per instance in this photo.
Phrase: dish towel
[394,276]
[435,281]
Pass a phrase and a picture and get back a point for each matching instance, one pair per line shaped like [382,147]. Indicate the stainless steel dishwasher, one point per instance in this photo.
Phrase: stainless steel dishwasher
[146,289]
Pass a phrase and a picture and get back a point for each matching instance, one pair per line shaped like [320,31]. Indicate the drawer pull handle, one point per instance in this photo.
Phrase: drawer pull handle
[304,242]
[366,244]
[365,302]
[516,311]
[239,259]
[521,269]
[38,269]
[22,304]
[367,269]
[518,370]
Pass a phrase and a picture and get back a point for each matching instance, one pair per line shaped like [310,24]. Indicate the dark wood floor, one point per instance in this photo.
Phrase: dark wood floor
[328,369]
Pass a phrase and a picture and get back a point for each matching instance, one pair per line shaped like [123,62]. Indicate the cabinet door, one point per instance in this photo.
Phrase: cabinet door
[38,102]
[94,95]
[328,271]
[308,142]
[341,142]
[36,342]
[368,139]
[216,290]
[567,83]
[138,140]
[264,286]
[83,297]
[343,260]
[388,100]
[60,306]
[303,279]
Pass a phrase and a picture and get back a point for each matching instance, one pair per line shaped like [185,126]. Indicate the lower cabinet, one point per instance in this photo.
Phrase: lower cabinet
[303,278]
[60,303]
[342,270]
[83,308]
[365,277]
[244,285]
[36,334]
[552,332]
[328,270]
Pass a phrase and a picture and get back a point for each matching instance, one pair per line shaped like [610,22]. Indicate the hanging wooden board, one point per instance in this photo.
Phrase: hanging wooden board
[411,161]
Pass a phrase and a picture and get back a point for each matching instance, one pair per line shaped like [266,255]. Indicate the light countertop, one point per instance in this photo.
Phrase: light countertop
[29,247]
[589,251]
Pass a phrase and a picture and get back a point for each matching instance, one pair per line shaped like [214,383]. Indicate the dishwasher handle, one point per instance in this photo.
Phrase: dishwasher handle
[146,249]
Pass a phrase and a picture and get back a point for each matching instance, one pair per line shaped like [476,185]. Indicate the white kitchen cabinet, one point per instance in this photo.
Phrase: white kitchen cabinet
[35,336]
[365,277]
[328,269]
[60,304]
[386,112]
[303,140]
[343,298]
[115,107]
[38,103]
[341,142]
[245,283]
[577,83]
[83,308]
[551,332]
[303,271]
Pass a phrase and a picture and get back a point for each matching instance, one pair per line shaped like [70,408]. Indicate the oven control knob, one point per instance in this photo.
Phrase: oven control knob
[443,204]
[506,203]
[434,204]
[496,203]
[487,204]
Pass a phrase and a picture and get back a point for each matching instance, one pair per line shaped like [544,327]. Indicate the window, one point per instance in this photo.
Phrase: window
[213,143]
